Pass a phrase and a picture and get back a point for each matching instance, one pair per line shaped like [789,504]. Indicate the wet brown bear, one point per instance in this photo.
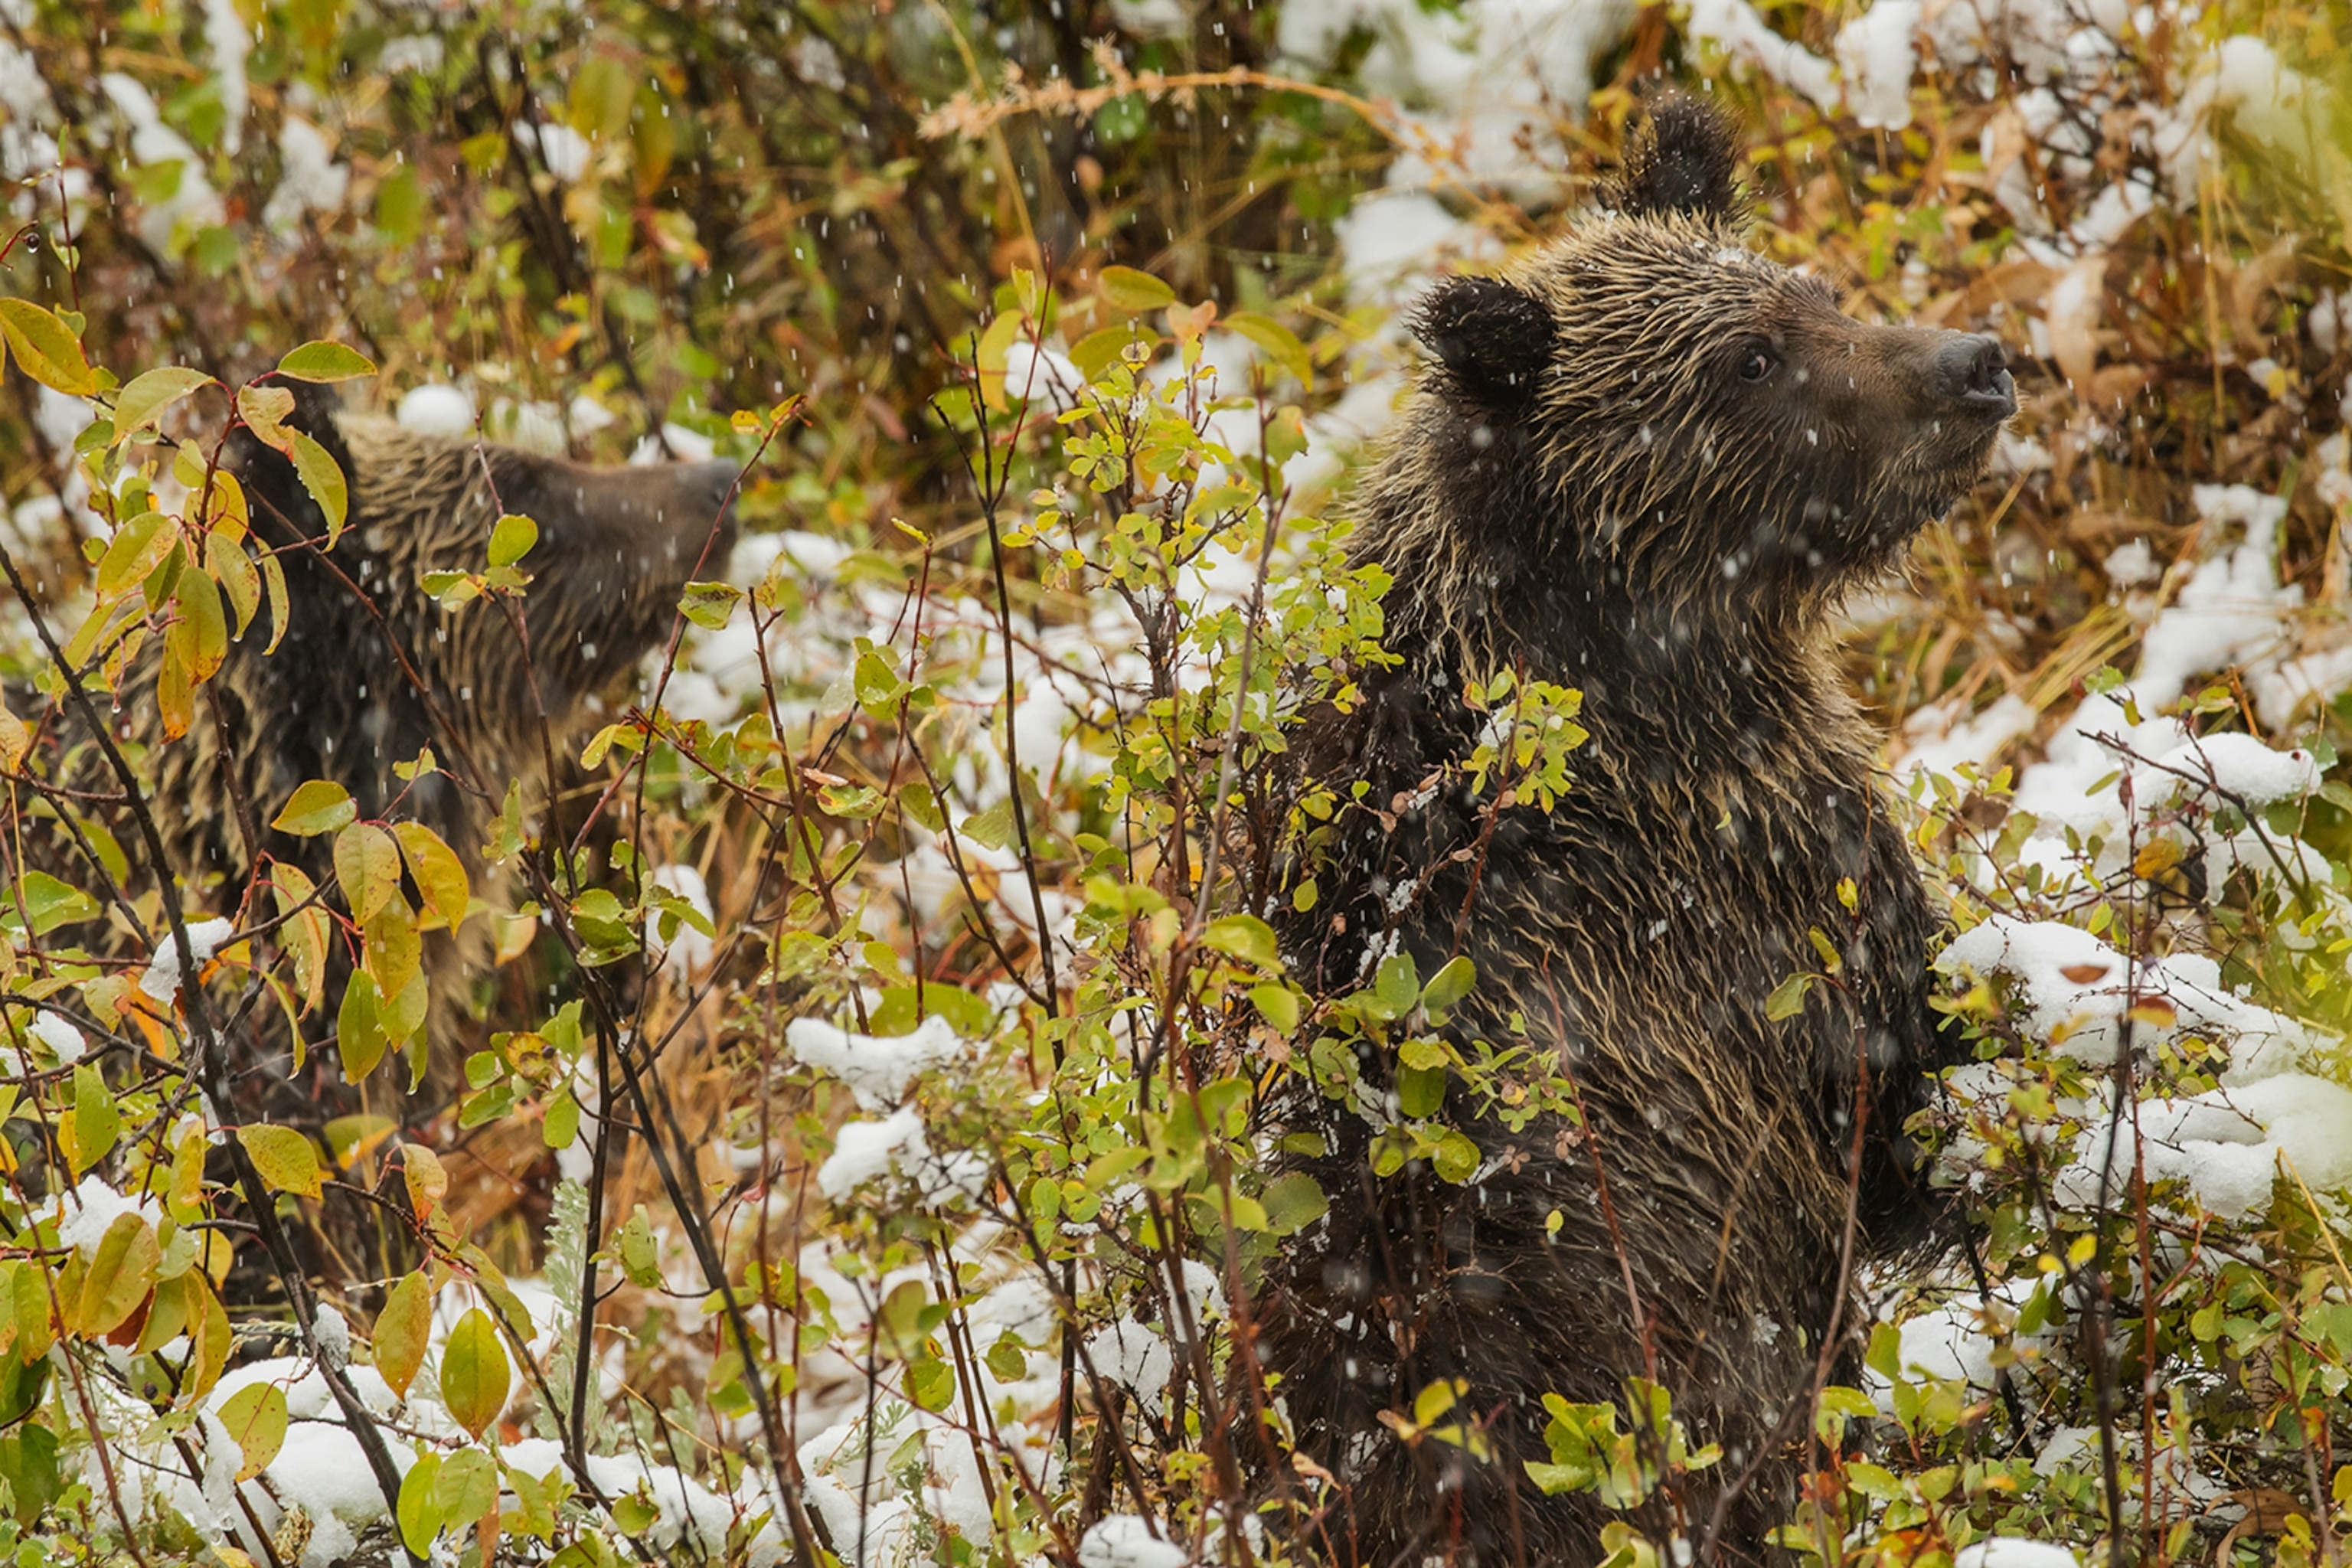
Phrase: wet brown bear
[371,670]
[1648,464]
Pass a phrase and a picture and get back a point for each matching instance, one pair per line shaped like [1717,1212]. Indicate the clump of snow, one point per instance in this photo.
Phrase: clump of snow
[435,409]
[565,151]
[1734,26]
[1939,737]
[1129,1541]
[2014,1551]
[879,1068]
[419,52]
[310,180]
[687,951]
[228,38]
[867,1151]
[1134,1356]
[85,1212]
[1876,51]
[1043,376]
[677,442]
[59,1036]
[162,980]
[192,202]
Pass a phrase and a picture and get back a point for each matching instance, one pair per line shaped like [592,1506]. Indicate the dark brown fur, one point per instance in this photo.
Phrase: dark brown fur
[1588,488]
[334,701]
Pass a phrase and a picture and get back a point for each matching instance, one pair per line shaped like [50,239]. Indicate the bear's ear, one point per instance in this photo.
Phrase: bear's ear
[1684,159]
[1494,337]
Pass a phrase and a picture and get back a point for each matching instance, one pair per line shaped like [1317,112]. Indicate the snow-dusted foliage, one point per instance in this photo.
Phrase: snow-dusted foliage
[862,1149]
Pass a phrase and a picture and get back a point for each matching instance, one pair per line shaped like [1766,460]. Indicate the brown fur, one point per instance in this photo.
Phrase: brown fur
[334,702]
[1588,488]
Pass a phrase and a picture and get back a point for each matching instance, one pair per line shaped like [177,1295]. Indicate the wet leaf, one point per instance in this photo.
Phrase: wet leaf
[142,402]
[325,362]
[255,1416]
[474,1372]
[286,1161]
[121,1274]
[403,1329]
[46,348]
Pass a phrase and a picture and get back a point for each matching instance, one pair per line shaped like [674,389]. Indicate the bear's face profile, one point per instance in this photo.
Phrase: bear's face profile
[1697,421]
[614,547]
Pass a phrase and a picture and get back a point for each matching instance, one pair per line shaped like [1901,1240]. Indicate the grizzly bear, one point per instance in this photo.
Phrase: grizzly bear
[371,670]
[1647,464]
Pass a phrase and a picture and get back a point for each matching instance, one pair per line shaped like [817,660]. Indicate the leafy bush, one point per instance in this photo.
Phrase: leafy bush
[867,1149]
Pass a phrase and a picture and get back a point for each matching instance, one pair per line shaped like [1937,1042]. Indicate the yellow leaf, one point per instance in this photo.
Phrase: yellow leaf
[46,348]
[286,1159]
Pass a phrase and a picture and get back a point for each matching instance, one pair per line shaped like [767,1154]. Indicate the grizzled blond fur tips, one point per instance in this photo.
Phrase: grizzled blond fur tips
[355,688]
[1646,463]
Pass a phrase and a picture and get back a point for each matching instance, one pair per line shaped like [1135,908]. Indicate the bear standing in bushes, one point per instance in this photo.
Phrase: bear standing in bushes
[371,670]
[1649,465]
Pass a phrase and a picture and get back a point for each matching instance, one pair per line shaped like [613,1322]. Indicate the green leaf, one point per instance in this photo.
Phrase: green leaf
[708,605]
[323,481]
[1396,985]
[46,348]
[142,402]
[420,1506]
[1456,1159]
[121,1274]
[1788,998]
[367,861]
[1280,343]
[286,1159]
[474,1372]
[562,1125]
[138,547]
[255,1416]
[640,1261]
[360,1037]
[1244,937]
[1278,1004]
[1293,1201]
[315,808]
[97,1120]
[930,1384]
[51,904]
[323,361]
[469,1485]
[1448,986]
[1128,289]
[402,1331]
[512,539]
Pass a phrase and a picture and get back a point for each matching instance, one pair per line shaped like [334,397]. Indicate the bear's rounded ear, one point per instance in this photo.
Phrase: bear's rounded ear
[1684,159]
[1494,337]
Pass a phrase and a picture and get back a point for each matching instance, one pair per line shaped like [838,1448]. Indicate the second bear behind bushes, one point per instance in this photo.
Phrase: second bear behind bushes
[1649,464]
[370,672]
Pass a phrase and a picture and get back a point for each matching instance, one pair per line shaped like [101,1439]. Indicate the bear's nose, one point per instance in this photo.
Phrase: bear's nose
[1973,371]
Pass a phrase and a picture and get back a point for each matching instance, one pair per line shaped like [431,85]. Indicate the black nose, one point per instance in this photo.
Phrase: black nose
[1973,371]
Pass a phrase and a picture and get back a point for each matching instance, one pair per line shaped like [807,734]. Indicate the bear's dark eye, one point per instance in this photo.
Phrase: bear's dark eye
[1755,362]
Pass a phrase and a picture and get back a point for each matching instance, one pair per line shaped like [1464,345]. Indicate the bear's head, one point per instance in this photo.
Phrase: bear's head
[1654,402]
[615,547]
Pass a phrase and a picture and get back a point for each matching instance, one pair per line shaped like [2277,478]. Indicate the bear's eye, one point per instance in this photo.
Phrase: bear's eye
[1755,362]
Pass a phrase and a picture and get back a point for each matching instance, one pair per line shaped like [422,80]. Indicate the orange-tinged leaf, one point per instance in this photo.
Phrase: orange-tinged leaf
[440,876]
[255,1416]
[121,1274]
[401,1330]
[428,1184]
[264,410]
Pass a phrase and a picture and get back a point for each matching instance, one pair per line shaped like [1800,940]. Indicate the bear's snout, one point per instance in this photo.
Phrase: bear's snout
[1971,372]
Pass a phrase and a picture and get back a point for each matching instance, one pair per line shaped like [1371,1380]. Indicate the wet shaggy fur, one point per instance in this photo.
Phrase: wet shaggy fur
[1647,464]
[334,702]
